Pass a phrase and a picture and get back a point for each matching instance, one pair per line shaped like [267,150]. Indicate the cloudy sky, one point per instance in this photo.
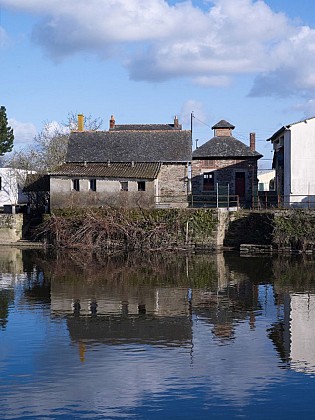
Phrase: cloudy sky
[145,61]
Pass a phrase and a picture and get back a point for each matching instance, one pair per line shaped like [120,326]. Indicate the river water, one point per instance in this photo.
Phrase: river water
[156,336]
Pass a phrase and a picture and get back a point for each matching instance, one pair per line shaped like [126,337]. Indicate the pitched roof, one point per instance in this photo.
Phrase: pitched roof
[286,127]
[223,124]
[143,127]
[133,145]
[224,147]
[109,170]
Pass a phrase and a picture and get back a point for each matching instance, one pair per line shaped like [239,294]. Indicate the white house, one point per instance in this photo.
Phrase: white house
[294,163]
[11,184]
[266,179]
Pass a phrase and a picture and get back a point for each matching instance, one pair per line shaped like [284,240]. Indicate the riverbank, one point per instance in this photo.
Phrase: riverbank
[193,230]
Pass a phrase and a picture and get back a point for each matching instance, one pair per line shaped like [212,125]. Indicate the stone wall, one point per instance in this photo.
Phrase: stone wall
[173,183]
[10,227]
[224,174]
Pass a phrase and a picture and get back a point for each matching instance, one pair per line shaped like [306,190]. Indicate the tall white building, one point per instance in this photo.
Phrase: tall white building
[294,163]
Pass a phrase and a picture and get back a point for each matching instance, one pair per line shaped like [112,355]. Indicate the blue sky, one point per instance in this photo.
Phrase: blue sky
[145,61]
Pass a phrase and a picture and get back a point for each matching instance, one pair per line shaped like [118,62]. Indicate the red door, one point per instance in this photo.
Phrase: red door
[240,184]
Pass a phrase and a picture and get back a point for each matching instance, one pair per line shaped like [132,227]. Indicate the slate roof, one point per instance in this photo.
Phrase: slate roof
[133,145]
[143,127]
[224,147]
[223,124]
[109,170]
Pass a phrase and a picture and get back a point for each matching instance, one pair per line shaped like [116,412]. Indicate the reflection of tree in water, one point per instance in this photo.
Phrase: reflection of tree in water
[6,299]
[294,273]
[37,287]
[134,268]
[277,333]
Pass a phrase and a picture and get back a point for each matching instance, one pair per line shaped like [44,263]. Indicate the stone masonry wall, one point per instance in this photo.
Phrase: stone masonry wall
[224,173]
[173,182]
[10,227]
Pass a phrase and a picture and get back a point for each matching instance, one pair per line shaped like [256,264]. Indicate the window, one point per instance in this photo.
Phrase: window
[141,186]
[208,163]
[124,186]
[93,184]
[76,184]
[208,181]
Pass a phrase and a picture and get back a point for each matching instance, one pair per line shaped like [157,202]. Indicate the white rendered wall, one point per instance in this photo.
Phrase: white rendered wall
[302,174]
[302,331]
[12,181]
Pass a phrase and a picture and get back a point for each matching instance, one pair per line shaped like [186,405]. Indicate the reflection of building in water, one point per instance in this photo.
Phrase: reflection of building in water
[127,304]
[11,263]
[10,267]
[294,334]
[302,332]
[230,305]
[148,329]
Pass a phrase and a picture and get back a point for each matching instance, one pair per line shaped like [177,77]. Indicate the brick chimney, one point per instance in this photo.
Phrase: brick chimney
[112,122]
[252,141]
[176,125]
[80,122]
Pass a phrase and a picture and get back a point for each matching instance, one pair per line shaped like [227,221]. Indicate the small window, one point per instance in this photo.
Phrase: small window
[124,186]
[93,184]
[208,181]
[76,184]
[208,163]
[141,186]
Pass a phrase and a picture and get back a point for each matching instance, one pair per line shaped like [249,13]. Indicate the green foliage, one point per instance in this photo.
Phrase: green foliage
[6,133]
[295,229]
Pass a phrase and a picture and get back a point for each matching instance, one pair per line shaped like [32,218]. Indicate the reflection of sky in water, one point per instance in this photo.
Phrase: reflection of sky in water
[43,374]
[47,373]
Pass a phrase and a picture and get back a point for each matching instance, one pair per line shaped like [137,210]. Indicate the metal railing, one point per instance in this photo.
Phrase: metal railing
[211,200]
[270,199]
[260,201]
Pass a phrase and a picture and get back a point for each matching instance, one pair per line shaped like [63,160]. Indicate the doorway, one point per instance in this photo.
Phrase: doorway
[240,184]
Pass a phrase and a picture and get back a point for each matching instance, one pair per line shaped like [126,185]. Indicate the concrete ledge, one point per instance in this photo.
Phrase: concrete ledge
[22,244]
[255,249]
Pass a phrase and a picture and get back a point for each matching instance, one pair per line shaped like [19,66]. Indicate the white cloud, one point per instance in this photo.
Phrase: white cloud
[24,132]
[159,41]
[195,107]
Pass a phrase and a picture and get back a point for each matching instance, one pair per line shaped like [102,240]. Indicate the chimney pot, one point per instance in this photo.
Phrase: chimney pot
[252,141]
[176,122]
[80,122]
[112,122]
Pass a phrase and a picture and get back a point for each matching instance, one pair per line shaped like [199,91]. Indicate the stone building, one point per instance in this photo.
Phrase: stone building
[224,170]
[129,165]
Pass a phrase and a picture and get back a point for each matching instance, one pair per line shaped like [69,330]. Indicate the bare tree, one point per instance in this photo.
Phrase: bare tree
[49,146]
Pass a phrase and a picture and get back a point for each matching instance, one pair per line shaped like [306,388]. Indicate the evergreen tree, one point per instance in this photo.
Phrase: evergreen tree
[6,133]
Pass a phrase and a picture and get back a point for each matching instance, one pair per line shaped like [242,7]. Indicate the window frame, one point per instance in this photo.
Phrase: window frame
[93,184]
[124,186]
[75,184]
[141,186]
[208,163]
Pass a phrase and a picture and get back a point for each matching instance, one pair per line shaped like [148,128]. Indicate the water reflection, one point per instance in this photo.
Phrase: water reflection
[141,335]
